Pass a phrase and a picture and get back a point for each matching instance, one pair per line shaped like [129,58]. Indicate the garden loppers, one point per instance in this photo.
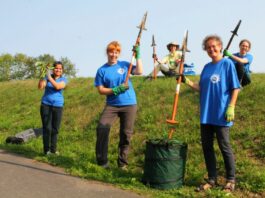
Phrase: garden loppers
[234,32]
[154,56]
[137,43]
[172,121]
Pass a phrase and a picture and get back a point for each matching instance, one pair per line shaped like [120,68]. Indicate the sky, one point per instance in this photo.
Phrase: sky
[81,29]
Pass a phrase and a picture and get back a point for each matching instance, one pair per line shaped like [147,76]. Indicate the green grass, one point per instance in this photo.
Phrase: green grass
[20,101]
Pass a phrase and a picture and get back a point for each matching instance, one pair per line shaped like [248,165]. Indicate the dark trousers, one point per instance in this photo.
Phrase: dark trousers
[127,116]
[51,119]
[207,138]
[243,76]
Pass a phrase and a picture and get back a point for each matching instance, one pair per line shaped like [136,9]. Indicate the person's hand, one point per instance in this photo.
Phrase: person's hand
[178,61]
[120,89]
[230,113]
[154,57]
[227,53]
[184,79]
[136,49]
[48,72]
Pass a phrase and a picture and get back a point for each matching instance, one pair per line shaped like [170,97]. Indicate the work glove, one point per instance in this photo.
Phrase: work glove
[120,89]
[184,79]
[230,113]
[136,49]
[48,72]
[154,57]
[227,53]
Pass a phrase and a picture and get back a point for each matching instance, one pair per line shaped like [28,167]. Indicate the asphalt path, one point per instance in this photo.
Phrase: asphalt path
[21,177]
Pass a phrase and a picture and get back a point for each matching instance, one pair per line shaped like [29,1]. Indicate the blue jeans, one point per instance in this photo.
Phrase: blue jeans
[207,138]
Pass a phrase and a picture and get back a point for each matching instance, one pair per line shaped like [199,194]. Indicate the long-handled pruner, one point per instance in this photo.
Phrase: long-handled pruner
[234,32]
[181,67]
[141,27]
[154,55]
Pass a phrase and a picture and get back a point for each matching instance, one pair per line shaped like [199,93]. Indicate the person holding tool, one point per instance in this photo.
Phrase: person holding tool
[51,109]
[120,102]
[219,88]
[242,61]
[172,60]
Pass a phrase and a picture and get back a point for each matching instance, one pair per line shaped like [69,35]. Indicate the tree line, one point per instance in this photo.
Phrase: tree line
[21,66]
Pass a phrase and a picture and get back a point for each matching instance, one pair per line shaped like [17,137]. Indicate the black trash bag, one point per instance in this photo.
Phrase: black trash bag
[14,140]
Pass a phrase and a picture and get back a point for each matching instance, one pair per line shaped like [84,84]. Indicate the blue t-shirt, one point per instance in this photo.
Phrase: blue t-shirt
[216,84]
[249,57]
[113,75]
[53,97]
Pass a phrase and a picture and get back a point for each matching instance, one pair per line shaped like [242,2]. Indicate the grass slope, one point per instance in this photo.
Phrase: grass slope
[20,100]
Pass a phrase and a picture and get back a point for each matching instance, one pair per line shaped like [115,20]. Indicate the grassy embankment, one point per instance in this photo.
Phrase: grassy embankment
[19,102]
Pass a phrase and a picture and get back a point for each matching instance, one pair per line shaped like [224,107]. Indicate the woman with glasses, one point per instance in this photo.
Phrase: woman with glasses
[218,88]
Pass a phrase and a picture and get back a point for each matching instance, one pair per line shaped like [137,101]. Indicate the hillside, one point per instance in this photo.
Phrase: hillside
[20,100]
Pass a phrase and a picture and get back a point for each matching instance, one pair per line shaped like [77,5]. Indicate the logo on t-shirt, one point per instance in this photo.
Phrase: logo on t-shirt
[121,71]
[215,78]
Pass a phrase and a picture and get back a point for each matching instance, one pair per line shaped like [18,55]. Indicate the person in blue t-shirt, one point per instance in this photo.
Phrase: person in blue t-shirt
[219,88]
[242,60]
[51,109]
[120,103]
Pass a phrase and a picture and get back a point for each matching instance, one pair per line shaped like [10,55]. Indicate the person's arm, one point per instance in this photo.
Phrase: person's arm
[234,96]
[104,91]
[42,84]
[236,58]
[139,64]
[194,86]
[187,81]
[56,85]
[139,67]
[110,91]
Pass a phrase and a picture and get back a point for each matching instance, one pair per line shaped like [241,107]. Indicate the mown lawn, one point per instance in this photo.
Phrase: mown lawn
[20,100]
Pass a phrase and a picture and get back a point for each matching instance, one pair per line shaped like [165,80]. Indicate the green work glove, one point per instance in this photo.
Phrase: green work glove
[227,53]
[120,89]
[230,113]
[136,49]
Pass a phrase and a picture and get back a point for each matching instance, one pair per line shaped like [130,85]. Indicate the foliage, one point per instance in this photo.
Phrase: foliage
[83,105]
[21,66]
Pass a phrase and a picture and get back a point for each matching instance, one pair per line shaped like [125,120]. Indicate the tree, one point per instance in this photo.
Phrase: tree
[6,60]
[21,66]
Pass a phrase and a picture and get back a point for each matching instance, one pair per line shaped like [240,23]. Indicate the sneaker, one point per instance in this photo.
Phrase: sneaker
[124,167]
[105,166]
[48,153]
[56,153]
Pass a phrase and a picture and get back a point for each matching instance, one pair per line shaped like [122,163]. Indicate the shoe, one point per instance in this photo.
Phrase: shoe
[124,167]
[48,153]
[210,183]
[105,166]
[56,153]
[229,186]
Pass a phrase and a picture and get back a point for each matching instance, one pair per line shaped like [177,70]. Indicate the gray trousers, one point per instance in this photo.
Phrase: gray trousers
[127,115]
[222,136]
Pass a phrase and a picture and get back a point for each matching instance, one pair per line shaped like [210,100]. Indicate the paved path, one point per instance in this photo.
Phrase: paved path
[25,178]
